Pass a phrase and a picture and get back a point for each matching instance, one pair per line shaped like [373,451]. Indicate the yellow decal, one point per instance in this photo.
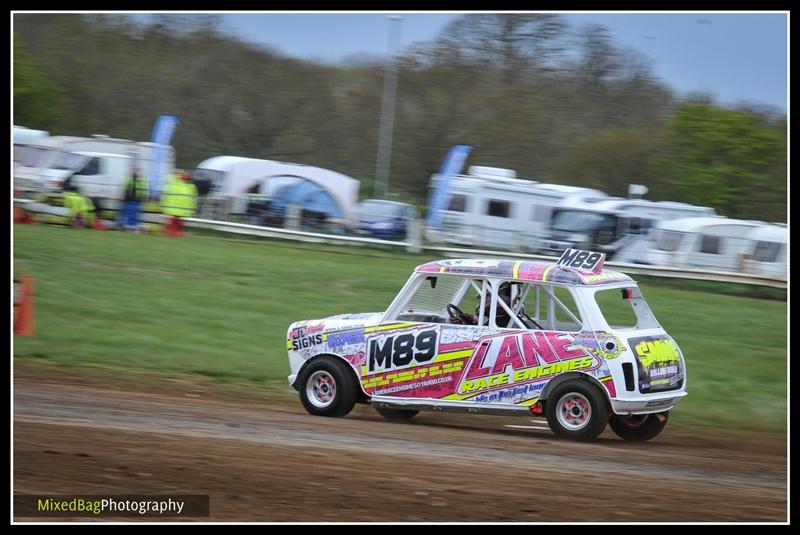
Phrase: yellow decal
[524,375]
[652,352]
[515,271]
[390,326]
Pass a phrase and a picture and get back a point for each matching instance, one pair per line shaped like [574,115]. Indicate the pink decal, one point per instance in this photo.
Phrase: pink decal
[560,343]
[359,359]
[475,370]
[430,267]
[612,390]
[456,346]
[508,354]
[532,270]
[315,328]
[535,345]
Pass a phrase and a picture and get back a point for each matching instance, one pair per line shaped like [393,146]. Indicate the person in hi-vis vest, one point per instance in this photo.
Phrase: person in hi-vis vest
[178,200]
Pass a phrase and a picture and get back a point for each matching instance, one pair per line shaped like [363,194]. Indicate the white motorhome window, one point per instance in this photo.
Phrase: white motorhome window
[709,244]
[458,203]
[667,240]
[498,208]
[625,308]
[766,251]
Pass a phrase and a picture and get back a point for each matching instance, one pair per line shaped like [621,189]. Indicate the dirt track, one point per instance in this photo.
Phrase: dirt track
[262,458]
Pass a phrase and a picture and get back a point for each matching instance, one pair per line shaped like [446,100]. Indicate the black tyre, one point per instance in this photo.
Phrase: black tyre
[638,428]
[328,388]
[397,414]
[577,410]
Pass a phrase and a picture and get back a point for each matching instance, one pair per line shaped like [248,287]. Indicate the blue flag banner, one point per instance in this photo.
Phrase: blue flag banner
[440,196]
[162,134]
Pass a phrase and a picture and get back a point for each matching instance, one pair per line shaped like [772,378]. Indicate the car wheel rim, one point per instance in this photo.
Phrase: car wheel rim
[321,389]
[573,411]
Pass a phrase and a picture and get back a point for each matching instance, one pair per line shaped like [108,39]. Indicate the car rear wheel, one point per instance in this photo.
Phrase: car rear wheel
[397,414]
[638,428]
[327,388]
[577,410]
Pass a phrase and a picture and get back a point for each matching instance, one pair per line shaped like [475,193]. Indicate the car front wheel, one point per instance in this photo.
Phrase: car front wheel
[577,410]
[327,388]
[638,428]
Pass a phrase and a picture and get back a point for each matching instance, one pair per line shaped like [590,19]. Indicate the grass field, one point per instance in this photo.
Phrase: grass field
[220,308]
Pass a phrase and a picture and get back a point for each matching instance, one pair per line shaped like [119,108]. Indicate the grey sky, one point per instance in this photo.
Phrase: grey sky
[733,56]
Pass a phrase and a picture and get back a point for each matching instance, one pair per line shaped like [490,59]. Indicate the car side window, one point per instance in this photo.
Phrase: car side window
[552,308]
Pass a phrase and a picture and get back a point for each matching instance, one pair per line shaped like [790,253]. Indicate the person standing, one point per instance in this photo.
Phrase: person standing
[179,200]
[135,193]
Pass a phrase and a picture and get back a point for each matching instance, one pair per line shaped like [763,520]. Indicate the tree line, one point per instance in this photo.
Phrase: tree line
[529,92]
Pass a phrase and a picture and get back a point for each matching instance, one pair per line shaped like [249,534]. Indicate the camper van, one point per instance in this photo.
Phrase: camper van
[768,256]
[100,164]
[23,137]
[615,226]
[236,183]
[490,207]
[712,243]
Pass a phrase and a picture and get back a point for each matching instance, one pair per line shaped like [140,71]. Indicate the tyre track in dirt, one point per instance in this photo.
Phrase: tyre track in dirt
[105,437]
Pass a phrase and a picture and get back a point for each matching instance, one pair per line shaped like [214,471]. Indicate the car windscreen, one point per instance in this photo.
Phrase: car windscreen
[576,221]
[380,209]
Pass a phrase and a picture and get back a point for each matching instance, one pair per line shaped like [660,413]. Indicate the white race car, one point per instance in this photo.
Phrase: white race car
[569,341]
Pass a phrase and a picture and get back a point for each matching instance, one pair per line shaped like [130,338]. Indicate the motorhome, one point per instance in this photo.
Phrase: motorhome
[100,164]
[232,181]
[23,137]
[711,243]
[768,256]
[490,207]
[615,226]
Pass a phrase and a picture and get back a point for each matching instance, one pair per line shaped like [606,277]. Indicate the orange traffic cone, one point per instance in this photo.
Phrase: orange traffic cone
[21,216]
[23,320]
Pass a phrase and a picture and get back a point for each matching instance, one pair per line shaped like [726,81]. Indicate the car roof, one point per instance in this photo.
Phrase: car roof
[524,271]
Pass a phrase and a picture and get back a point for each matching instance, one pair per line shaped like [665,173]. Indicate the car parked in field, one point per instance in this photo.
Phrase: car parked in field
[386,220]
[569,341]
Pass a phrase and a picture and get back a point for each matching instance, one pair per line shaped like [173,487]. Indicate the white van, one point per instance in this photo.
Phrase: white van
[713,243]
[49,162]
[768,256]
[490,207]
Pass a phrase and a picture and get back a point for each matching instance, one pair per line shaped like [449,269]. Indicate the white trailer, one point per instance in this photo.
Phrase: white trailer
[768,256]
[490,207]
[714,243]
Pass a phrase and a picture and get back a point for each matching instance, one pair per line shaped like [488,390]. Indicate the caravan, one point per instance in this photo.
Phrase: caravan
[711,243]
[615,226]
[768,256]
[490,207]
